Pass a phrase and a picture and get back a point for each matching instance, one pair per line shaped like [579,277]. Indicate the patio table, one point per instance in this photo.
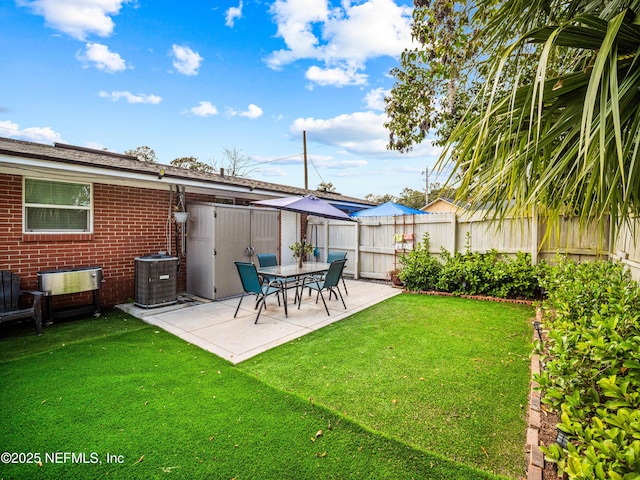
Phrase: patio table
[284,273]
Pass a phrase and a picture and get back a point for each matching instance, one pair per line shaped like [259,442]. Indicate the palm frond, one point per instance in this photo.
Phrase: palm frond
[567,143]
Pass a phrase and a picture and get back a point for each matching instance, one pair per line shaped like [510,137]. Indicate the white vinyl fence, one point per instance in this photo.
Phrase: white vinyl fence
[626,248]
[374,245]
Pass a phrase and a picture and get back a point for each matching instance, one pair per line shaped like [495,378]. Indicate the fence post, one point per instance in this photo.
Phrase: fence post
[356,260]
[534,235]
[454,229]
[325,239]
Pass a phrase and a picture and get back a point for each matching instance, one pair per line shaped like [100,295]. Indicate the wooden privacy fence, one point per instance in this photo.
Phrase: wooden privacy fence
[374,245]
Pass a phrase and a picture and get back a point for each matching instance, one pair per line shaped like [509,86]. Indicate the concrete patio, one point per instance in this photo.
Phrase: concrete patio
[211,325]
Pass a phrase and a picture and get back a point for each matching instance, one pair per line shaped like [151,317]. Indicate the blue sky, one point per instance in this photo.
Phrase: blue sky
[195,77]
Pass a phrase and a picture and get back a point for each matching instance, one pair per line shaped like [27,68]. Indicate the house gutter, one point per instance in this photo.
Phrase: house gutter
[60,159]
[125,175]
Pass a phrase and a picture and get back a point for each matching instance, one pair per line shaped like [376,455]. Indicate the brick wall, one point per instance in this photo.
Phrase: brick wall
[128,222]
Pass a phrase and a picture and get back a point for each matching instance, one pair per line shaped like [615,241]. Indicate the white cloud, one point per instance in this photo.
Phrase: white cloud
[204,109]
[359,133]
[371,29]
[340,38]
[374,99]
[338,77]
[130,97]
[295,20]
[33,134]
[186,61]
[253,111]
[77,18]
[342,164]
[102,58]
[232,14]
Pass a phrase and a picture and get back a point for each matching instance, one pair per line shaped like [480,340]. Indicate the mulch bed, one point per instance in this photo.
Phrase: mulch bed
[473,297]
[548,432]
[547,436]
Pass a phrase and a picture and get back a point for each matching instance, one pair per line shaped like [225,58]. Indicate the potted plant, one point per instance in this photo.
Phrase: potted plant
[181,217]
[300,250]
[179,213]
[394,276]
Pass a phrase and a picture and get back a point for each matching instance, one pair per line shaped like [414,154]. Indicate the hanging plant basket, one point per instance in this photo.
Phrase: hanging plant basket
[181,217]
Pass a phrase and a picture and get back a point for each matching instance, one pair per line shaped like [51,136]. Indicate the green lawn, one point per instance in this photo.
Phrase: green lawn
[442,374]
[115,388]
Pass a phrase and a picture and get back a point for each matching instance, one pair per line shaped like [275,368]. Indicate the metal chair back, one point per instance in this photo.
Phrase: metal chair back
[249,277]
[332,277]
[267,259]
[331,256]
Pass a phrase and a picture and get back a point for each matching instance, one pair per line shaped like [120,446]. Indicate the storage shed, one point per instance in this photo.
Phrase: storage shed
[220,234]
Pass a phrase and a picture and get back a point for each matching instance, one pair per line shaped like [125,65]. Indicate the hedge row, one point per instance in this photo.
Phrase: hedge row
[470,273]
[592,368]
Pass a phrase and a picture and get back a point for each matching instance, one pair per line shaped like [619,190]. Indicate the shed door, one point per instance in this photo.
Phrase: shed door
[200,251]
[240,233]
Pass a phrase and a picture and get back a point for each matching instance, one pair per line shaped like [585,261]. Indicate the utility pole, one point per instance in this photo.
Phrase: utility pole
[426,189]
[306,171]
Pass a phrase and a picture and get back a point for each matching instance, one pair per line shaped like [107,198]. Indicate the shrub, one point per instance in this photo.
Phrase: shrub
[476,273]
[517,278]
[471,273]
[592,370]
[420,270]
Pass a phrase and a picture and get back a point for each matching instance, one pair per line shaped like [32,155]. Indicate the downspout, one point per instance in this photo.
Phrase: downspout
[168,222]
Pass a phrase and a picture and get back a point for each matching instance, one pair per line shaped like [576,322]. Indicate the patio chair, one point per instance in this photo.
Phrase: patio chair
[251,285]
[332,256]
[9,306]
[329,283]
[267,260]
[271,260]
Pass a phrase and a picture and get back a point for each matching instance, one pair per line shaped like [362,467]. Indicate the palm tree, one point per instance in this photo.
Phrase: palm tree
[568,143]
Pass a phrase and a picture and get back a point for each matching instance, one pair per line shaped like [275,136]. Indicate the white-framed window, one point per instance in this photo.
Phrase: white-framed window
[55,207]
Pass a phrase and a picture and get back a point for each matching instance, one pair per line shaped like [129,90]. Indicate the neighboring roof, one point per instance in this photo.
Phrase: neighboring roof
[123,164]
[462,205]
[388,209]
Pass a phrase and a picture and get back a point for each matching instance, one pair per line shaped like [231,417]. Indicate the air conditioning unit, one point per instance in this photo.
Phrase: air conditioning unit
[156,280]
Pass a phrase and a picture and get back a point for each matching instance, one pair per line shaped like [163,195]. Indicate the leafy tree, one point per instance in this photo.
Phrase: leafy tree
[455,43]
[144,154]
[412,198]
[326,187]
[436,190]
[379,199]
[191,163]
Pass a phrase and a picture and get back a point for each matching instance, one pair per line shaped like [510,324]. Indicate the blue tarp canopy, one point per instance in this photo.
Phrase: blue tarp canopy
[389,209]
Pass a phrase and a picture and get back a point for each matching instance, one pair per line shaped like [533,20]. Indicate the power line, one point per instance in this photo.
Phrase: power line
[277,159]
[316,169]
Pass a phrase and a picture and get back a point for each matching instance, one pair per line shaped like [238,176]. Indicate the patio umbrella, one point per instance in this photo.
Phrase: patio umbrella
[308,204]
